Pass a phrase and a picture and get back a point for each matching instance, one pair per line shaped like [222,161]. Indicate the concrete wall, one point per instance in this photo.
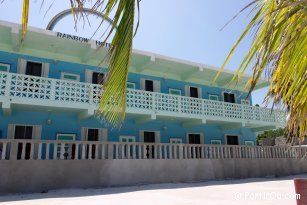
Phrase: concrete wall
[36,176]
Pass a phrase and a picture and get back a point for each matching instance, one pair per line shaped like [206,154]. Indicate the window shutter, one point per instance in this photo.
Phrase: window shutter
[88,76]
[199,90]
[37,132]
[11,131]
[141,139]
[103,135]
[156,86]
[157,137]
[83,133]
[187,90]
[22,64]
[45,70]
[142,84]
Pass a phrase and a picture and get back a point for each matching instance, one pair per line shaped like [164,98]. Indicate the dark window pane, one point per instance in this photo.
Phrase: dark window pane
[97,78]
[194,138]
[149,137]
[34,69]
[232,140]
[92,135]
[229,97]
[28,132]
[19,132]
[149,85]
[193,92]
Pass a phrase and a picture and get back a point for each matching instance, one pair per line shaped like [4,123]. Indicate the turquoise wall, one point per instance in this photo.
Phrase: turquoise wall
[69,123]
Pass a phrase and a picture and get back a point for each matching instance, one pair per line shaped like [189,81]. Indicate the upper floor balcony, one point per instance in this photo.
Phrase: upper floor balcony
[39,93]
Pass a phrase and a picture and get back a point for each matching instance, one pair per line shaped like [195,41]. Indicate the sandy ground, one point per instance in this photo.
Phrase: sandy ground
[247,191]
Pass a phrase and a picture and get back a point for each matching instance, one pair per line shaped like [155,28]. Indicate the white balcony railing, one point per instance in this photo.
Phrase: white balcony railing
[80,95]
[85,150]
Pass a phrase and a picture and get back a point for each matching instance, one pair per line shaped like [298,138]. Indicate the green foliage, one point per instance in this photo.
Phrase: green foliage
[271,134]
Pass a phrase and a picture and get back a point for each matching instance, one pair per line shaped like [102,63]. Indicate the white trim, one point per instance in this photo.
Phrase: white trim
[219,141]
[88,75]
[188,93]
[71,135]
[131,83]
[71,74]
[22,67]
[174,89]
[8,67]
[127,138]
[235,96]
[157,135]
[225,138]
[202,137]
[213,95]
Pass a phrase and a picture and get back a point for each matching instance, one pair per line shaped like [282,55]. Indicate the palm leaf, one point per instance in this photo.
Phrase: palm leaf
[279,52]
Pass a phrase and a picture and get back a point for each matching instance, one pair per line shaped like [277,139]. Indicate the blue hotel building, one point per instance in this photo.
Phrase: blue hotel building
[49,90]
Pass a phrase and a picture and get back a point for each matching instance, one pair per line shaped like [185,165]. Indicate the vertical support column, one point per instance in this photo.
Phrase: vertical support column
[8,84]
[3,151]
[76,151]
[91,93]
[52,89]
[47,151]
[39,155]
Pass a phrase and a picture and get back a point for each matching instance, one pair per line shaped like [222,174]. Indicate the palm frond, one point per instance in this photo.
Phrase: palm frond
[279,51]
[24,20]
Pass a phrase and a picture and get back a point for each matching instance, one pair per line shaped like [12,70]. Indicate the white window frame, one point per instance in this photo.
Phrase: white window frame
[102,134]
[229,93]
[174,89]
[249,143]
[157,135]
[127,138]
[8,67]
[214,95]
[72,74]
[36,131]
[225,138]
[22,67]
[202,137]
[131,83]
[68,134]
[219,142]
[175,140]
[199,91]
[245,102]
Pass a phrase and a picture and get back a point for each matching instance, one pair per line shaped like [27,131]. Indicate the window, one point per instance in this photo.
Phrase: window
[213,97]
[229,97]
[174,91]
[193,92]
[249,143]
[127,139]
[149,137]
[149,85]
[34,68]
[245,102]
[4,67]
[130,85]
[92,134]
[232,139]
[216,142]
[97,78]
[194,138]
[23,132]
[70,76]
[175,140]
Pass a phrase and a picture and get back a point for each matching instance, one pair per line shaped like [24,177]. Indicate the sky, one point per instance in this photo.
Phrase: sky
[185,29]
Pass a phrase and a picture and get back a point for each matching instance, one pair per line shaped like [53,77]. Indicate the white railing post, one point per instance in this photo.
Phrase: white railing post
[8,84]
[52,89]
[3,151]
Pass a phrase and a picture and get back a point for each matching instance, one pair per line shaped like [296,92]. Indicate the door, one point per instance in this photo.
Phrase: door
[195,151]
[149,137]
[229,97]
[232,140]
[128,149]
[34,69]
[69,149]
[194,92]
[92,135]
[149,85]
[25,133]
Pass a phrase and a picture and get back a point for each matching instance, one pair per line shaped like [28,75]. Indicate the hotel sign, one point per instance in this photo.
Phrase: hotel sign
[81,39]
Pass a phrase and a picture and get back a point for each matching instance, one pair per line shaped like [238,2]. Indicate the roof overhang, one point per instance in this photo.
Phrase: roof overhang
[52,45]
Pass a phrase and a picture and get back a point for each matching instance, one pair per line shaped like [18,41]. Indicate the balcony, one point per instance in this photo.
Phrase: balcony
[20,91]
